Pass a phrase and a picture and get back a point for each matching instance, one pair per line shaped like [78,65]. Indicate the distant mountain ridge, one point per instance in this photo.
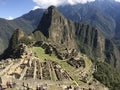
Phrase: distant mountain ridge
[27,22]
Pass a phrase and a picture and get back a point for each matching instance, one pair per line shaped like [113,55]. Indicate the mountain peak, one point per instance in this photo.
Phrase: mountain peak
[52,11]
[50,16]
[52,8]
[56,27]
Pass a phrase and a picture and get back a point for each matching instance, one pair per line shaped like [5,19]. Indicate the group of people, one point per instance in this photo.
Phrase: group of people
[8,84]
[26,87]
[39,87]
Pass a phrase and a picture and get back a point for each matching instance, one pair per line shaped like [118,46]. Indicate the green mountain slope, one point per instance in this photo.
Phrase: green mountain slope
[27,22]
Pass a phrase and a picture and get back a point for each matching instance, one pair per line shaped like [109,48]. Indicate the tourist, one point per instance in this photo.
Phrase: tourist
[28,87]
[46,85]
[1,87]
[7,84]
[41,88]
[70,87]
[37,88]
[75,88]
[23,84]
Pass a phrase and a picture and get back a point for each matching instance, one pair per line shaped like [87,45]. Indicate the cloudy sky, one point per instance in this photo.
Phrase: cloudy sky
[14,8]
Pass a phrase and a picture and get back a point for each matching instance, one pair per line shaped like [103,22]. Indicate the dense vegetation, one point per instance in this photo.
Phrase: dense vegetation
[28,22]
[107,75]
[16,48]
[26,40]
[39,36]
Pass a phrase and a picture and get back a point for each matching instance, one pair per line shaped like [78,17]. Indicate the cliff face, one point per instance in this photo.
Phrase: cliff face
[57,28]
[112,54]
[91,42]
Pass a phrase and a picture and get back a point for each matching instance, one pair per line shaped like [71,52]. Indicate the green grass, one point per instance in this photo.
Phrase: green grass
[40,53]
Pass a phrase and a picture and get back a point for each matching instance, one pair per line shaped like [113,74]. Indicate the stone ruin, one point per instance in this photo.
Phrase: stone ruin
[32,68]
[76,63]
[62,54]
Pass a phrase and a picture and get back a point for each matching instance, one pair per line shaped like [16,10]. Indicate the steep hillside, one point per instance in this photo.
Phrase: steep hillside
[15,47]
[103,14]
[91,42]
[57,28]
[90,13]
[27,22]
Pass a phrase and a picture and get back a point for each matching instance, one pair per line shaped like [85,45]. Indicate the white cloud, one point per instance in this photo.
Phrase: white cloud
[10,18]
[117,0]
[47,3]
[72,2]
[35,7]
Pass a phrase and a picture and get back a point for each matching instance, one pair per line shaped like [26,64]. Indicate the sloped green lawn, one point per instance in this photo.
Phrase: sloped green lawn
[40,53]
